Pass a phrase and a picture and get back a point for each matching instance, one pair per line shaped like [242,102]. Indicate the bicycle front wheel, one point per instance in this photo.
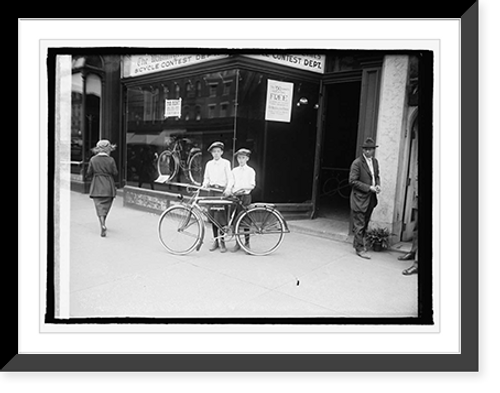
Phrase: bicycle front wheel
[180,230]
[260,231]
[167,165]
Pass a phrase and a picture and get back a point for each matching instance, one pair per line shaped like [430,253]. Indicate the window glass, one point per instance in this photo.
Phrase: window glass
[93,110]
[282,152]
[170,125]
[168,137]
[76,122]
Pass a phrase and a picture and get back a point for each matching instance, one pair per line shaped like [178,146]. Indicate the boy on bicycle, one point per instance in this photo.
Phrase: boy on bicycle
[244,183]
[218,175]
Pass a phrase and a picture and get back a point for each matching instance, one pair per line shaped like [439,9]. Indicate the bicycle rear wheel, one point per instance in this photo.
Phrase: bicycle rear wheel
[180,230]
[195,169]
[260,231]
[344,189]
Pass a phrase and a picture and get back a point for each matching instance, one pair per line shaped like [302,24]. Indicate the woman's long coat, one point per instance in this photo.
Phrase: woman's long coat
[102,169]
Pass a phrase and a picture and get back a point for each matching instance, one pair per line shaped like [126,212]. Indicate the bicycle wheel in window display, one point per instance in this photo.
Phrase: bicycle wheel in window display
[167,165]
[195,168]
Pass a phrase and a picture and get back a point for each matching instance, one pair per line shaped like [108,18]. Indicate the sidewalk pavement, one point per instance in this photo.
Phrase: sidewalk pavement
[129,274]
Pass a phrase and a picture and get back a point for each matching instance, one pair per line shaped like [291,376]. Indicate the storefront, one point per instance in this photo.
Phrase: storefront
[95,111]
[303,116]
[177,105]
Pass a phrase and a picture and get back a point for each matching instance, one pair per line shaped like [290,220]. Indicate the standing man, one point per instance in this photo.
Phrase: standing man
[365,182]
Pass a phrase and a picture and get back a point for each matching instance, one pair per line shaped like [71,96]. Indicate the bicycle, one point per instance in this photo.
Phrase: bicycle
[170,162]
[337,183]
[258,228]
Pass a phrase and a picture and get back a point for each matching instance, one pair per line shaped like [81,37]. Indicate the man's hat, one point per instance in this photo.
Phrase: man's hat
[369,144]
[243,152]
[216,144]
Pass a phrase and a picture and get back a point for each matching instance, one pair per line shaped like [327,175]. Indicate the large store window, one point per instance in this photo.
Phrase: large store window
[170,125]
[283,151]
[172,122]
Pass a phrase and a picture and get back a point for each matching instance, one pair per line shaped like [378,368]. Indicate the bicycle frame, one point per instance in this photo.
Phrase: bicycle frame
[193,205]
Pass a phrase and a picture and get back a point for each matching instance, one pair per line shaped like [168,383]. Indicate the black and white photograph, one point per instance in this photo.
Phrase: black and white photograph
[242,186]
[275,196]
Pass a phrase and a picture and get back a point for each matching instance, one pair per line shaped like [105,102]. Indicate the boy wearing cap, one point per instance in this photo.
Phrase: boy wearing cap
[244,182]
[218,175]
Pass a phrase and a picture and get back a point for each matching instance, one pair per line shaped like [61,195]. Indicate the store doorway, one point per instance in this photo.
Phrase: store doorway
[340,134]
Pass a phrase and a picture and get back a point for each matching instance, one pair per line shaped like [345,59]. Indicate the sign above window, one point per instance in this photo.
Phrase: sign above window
[137,65]
[308,62]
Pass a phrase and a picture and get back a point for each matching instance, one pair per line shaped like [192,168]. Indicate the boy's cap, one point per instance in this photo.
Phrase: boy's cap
[216,144]
[243,152]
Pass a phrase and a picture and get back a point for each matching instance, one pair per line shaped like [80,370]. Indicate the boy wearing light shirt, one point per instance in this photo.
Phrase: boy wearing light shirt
[244,183]
[218,175]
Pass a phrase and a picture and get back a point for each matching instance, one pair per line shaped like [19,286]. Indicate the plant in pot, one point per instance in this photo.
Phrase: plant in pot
[378,238]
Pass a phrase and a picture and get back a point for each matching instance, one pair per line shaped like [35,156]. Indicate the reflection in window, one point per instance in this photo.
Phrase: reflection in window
[198,88]
[227,88]
[213,89]
[223,109]
[211,111]
[185,111]
[169,147]
[93,95]
[76,118]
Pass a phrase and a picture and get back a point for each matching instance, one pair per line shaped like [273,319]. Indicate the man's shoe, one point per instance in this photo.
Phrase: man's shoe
[407,257]
[413,269]
[214,246]
[363,254]
[236,248]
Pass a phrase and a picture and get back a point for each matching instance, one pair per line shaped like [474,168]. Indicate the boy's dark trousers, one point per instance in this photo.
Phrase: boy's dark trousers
[246,200]
[219,213]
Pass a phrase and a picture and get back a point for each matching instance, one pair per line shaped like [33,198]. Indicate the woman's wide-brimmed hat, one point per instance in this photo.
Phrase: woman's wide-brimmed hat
[243,152]
[103,146]
[369,144]
[216,144]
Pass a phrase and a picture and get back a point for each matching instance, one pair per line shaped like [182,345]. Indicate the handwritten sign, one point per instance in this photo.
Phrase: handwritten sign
[173,108]
[279,101]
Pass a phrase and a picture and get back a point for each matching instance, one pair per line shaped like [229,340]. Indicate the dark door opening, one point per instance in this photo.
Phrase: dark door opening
[339,150]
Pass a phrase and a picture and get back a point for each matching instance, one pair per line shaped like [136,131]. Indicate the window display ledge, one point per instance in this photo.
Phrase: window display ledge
[157,201]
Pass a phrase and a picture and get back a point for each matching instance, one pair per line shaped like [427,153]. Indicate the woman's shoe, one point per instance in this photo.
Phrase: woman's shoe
[103,231]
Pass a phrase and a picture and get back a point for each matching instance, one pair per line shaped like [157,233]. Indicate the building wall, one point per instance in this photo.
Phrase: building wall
[391,126]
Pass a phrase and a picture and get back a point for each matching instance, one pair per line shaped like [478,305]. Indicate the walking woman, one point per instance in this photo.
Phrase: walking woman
[102,169]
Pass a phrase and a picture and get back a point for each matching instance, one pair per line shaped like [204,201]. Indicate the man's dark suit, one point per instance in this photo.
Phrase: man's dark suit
[363,200]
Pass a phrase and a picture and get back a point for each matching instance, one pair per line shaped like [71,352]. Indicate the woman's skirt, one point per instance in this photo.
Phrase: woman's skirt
[103,205]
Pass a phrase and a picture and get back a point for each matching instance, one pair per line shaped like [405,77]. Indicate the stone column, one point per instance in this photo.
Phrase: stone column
[391,125]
